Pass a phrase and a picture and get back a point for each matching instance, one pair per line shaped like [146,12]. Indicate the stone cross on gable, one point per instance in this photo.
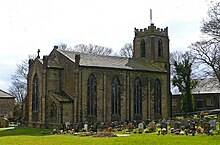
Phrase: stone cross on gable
[38,53]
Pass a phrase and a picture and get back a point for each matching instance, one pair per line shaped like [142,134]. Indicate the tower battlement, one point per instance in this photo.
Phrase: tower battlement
[151,30]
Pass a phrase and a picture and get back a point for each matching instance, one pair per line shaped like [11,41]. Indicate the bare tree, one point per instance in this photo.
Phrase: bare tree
[94,49]
[65,47]
[175,56]
[211,25]
[126,50]
[178,56]
[19,80]
[207,53]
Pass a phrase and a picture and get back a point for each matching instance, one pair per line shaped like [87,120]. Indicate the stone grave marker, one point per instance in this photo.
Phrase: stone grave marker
[152,126]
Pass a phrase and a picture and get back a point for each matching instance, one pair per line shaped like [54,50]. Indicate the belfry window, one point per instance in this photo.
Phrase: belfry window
[160,47]
[92,96]
[35,93]
[137,96]
[142,48]
[116,96]
[157,97]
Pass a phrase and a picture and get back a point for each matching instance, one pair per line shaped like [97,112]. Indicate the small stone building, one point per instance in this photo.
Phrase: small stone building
[206,96]
[71,87]
[6,104]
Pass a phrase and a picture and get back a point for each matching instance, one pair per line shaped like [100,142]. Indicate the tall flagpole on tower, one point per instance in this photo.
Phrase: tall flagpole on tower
[151,16]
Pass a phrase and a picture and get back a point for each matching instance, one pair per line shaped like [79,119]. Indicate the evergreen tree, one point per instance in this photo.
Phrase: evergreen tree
[185,84]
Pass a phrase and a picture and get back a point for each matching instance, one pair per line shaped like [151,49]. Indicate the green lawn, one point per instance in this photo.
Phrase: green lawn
[32,136]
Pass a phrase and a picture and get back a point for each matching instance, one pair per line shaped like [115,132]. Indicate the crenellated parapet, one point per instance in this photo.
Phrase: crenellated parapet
[151,30]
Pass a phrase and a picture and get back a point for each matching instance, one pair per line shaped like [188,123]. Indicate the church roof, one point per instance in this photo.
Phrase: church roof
[4,94]
[94,60]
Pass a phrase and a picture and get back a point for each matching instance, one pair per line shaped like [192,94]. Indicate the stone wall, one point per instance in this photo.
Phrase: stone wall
[104,78]
[6,107]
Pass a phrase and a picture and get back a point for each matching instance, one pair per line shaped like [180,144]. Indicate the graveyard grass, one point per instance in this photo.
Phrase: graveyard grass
[33,136]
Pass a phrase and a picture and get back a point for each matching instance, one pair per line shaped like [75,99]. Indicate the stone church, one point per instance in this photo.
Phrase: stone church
[74,87]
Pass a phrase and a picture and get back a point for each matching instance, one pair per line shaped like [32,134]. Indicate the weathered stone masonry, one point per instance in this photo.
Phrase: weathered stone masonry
[71,87]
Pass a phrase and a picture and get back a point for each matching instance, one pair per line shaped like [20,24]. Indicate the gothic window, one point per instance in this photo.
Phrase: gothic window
[53,110]
[137,96]
[35,93]
[157,97]
[116,96]
[160,48]
[92,96]
[142,48]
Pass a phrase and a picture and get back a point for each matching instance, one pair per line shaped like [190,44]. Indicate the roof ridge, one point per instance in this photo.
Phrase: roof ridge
[93,54]
[6,92]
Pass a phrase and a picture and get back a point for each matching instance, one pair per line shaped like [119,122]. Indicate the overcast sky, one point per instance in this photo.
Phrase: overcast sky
[28,25]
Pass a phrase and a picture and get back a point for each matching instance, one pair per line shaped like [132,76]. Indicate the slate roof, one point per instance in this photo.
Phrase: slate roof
[94,60]
[61,96]
[4,94]
[204,86]
[208,85]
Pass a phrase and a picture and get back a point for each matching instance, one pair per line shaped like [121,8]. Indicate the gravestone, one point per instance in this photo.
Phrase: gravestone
[201,122]
[67,125]
[135,125]
[206,127]
[218,126]
[115,124]
[130,126]
[163,124]
[212,124]
[177,125]
[186,123]
[218,117]
[172,124]
[141,126]
[152,126]
[86,127]
[4,122]
[192,128]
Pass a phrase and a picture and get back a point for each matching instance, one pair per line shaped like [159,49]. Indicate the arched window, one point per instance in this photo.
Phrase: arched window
[137,96]
[157,97]
[116,96]
[160,47]
[35,93]
[92,96]
[53,110]
[142,48]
